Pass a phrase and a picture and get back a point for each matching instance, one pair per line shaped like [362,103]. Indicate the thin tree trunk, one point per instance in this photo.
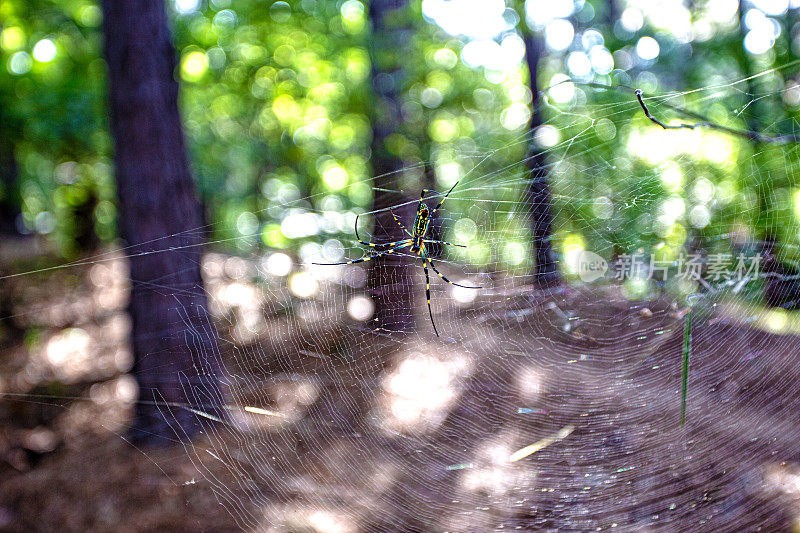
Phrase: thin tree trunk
[174,343]
[9,181]
[390,278]
[546,270]
[435,226]
[752,124]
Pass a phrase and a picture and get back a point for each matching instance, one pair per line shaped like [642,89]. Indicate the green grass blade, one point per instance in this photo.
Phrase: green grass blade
[687,350]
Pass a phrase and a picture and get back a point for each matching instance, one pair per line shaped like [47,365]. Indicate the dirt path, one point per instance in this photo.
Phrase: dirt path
[418,436]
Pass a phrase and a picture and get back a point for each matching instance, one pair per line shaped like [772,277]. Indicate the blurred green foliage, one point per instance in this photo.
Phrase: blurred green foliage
[276,102]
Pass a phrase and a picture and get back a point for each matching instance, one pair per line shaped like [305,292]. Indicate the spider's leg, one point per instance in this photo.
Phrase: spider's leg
[443,199]
[428,259]
[357,237]
[428,296]
[443,242]
[396,219]
[383,244]
[366,258]
[372,245]
[387,244]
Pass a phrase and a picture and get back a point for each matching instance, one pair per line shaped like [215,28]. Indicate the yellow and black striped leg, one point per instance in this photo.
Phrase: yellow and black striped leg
[428,259]
[396,219]
[386,244]
[428,296]
[366,258]
[443,199]
[428,241]
[379,244]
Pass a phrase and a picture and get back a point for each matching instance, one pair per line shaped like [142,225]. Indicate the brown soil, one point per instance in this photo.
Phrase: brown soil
[590,378]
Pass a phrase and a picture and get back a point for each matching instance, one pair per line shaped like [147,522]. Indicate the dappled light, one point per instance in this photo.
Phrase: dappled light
[426,265]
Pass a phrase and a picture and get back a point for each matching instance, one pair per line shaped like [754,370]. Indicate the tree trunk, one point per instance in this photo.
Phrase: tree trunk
[546,270]
[435,226]
[9,181]
[174,342]
[390,278]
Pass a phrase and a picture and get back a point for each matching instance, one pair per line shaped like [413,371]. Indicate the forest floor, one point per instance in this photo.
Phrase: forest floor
[367,433]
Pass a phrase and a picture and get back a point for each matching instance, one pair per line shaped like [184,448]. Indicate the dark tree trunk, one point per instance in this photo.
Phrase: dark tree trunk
[174,343]
[9,182]
[390,278]
[546,270]
[435,227]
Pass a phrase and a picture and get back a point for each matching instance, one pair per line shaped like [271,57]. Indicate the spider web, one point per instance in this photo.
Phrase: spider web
[551,410]
[536,409]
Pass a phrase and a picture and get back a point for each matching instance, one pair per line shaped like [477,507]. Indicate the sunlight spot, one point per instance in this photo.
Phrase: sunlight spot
[515,252]
[420,390]
[773,8]
[70,346]
[703,190]
[324,522]
[12,38]
[303,285]
[278,264]
[333,250]
[579,64]
[461,295]
[447,174]
[476,19]
[186,6]
[299,223]
[280,11]
[19,63]
[445,58]
[237,295]
[193,65]
[603,208]
[360,308]
[559,34]
[671,176]
[673,208]
[420,384]
[44,51]
[335,177]
[699,217]
[721,11]
[431,97]
[776,320]
[515,116]
[635,288]
[757,42]
[530,383]
[561,90]
[443,130]
[632,19]
[602,60]
[540,12]
[465,230]
[573,247]
[647,48]
[498,454]
[247,223]
[547,136]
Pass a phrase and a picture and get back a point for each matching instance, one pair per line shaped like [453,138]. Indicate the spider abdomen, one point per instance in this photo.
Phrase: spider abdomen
[420,228]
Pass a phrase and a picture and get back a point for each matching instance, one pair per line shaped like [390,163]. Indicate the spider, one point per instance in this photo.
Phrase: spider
[415,243]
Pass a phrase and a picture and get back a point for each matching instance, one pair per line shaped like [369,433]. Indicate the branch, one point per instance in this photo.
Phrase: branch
[705,123]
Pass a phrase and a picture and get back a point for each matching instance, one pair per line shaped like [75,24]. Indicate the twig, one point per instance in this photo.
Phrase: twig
[705,123]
